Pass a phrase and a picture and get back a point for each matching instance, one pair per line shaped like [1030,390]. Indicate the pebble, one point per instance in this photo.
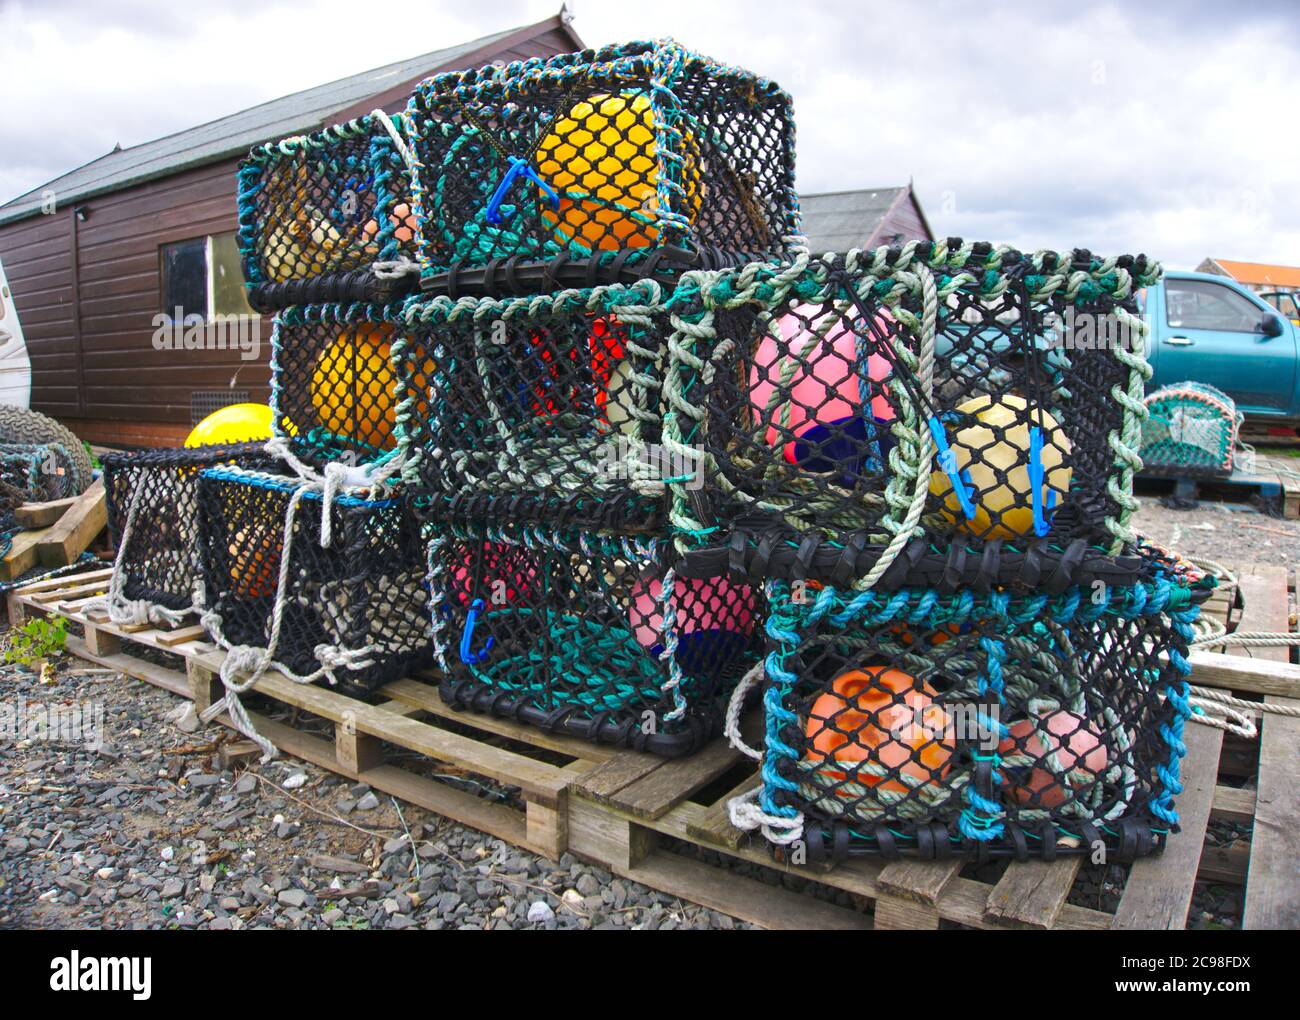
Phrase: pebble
[158,840]
[540,911]
[292,898]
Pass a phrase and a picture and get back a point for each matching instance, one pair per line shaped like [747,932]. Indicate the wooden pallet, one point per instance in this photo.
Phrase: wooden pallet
[665,823]
[1271,478]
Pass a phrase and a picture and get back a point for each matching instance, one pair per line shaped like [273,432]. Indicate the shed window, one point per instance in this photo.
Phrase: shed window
[202,276]
[185,278]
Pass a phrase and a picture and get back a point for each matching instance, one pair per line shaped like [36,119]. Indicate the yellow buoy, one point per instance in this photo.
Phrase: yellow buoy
[237,423]
[352,386]
[602,158]
[993,450]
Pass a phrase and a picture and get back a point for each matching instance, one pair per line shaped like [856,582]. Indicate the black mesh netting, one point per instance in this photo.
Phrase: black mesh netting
[155,494]
[589,635]
[807,392]
[316,212]
[549,405]
[41,471]
[622,151]
[907,724]
[357,606]
[333,389]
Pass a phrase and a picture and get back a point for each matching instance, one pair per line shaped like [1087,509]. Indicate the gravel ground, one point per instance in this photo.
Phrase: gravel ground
[146,831]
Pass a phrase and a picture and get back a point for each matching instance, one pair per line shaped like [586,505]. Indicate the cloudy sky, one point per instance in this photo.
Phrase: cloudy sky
[1172,129]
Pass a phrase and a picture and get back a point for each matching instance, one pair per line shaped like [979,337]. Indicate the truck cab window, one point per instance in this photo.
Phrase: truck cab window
[1198,304]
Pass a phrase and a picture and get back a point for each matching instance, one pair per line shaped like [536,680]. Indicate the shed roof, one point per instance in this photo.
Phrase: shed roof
[840,220]
[1260,273]
[297,113]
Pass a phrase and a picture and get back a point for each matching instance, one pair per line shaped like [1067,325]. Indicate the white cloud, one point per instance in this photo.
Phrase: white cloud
[1163,130]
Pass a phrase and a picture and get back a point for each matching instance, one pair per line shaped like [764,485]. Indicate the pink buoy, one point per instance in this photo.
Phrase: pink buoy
[824,411]
[1080,747]
[714,619]
[501,579]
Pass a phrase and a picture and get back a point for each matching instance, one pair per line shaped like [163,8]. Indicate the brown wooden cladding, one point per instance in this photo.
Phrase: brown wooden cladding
[94,359]
[88,318]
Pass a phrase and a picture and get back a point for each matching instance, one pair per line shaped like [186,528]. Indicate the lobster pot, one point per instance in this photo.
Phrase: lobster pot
[547,407]
[40,471]
[588,635]
[1190,431]
[152,502]
[833,397]
[316,212]
[977,727]
[629,158]
[357,607]
[333,389]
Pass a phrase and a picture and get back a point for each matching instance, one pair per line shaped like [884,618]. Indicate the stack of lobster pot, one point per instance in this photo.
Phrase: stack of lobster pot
[916,456]
[311,560]
[557,203]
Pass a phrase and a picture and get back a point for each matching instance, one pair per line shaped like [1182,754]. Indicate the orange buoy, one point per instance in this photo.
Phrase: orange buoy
[880,716]
[254,563]
[1080,747]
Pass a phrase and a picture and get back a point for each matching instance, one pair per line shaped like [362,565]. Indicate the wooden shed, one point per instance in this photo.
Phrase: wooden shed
[95,256]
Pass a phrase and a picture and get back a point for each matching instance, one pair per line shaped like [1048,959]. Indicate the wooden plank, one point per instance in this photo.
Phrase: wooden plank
[607,779]
[909,893]
[492,817]
[181,636]
[58,596]
[51,583]
[1273,880]
[423,696]
[42,515]
[1242,673]
[536,778]
[76,529]
[1233,805]
[22,554]
[1158,893]
[675,780]
[714,827]
[767,906]
[1030,894]
[160,676]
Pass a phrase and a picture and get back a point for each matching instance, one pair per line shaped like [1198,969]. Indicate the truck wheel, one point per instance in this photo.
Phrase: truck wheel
[19,425]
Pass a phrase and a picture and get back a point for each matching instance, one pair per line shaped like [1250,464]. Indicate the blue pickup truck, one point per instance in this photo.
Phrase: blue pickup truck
[1213,330]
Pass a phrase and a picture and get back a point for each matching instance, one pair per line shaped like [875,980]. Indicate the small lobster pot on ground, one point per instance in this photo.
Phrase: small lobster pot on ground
[628,158]
[350,603]
[327,216]
[153,503]
[332,381]
[977,726]
[40,471]
[549,404]
[588,634]
[1190,431]
[943,385]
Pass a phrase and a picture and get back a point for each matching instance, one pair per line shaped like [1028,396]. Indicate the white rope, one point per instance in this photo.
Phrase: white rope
[132,612]
[737,705]
[746,815]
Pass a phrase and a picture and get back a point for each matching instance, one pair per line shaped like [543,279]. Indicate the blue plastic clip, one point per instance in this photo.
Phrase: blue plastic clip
[948,462]
[1043,504]
[467,637]
[518,168]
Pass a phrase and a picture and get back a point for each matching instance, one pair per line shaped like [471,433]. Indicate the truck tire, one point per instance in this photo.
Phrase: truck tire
[19,425]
